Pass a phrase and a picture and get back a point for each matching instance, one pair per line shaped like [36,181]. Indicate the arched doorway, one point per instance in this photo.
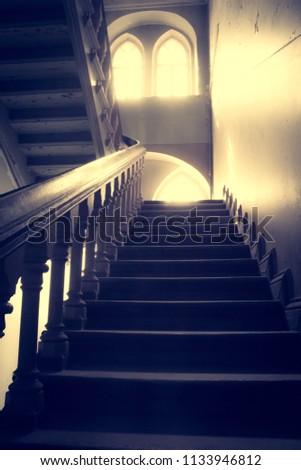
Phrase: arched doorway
[171,179]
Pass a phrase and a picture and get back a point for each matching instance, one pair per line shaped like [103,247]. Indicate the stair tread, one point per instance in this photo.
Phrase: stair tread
[190,261]
[186,278]
[222,351]
[254,302]
[184,333]
[174,376]
[74,439]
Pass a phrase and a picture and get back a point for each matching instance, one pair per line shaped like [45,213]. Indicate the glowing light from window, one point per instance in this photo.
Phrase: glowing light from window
[172,69]
[127,69]
[182,185]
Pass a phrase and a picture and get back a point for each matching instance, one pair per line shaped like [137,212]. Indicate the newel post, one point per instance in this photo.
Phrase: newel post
[75,310]
[54,344]
[25,399]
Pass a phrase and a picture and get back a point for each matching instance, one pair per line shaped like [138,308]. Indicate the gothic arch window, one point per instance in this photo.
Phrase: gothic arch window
[172,65]
[128,64]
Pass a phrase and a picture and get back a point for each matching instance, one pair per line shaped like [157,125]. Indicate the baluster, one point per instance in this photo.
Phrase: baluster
[10,272]
[117,195]
[25,399]
[230,203]
[109,226]
[234,208]
[54,344]
[102,263]
[246,222]
[127,195]
[131,207]
[123,190]
[75,310]
[5,294]
[239,212]
[253,233]
[136,190]
[90,283]
[227,197]
[140,197]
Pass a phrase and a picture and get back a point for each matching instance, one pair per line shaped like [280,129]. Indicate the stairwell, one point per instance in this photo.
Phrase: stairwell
[184,341]
[184,348]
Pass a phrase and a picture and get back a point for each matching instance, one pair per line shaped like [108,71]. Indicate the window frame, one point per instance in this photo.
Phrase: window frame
[183,40]
[117,43]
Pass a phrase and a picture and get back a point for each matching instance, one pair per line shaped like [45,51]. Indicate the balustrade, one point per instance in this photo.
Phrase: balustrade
[47,221]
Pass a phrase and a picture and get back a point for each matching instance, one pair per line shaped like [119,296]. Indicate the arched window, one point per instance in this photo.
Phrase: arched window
[127,61]
[172,58]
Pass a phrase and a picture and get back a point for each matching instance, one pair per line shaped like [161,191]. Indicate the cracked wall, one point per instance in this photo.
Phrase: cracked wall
[256,99]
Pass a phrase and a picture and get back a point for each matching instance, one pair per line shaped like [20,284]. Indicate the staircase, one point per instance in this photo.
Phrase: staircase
[56,119]
[184,341]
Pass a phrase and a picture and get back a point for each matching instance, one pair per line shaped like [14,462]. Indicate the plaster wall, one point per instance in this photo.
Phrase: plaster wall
[174,126]
[256,100]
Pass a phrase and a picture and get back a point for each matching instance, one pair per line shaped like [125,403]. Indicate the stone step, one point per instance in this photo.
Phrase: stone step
[152,205]
[185,288]
[211,202]
[62,439]
[179,236]
[207,220]
[189,351]
[190,268]
[172,403]
[171,227]
[186,315]
[184,252]
[180,212]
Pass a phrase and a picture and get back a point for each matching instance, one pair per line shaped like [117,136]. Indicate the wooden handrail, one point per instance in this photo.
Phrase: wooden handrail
[60,193]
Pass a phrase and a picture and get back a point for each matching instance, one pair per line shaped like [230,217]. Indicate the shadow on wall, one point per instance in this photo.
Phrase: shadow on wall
[171,179]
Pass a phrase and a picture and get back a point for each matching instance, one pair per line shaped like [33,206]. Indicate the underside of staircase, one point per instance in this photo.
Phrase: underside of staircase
[185,348]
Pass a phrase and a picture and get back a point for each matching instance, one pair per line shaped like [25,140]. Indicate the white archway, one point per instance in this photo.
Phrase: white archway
[171,179]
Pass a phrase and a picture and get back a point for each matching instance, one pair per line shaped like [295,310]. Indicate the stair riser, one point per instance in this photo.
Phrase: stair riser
[211,202]
[146,238]
[176,408]
[199,229]
[185,268]
[227,288]
[208,220]
[185,317]
[184,252]
[172,207]
[184,353]
[184,213]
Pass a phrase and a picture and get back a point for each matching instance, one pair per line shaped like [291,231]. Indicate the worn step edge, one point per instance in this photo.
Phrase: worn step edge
[173,376]
[67,439]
